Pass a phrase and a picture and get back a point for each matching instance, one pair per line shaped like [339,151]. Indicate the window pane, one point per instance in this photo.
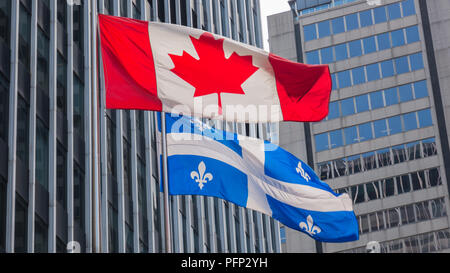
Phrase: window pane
[327,55]
[380,128]
[376,100]
[420,89]
[312,57]
[394,11]
[387,68]
[410,121]
[362,103]
[391,96]
[416,61]
[334,81]
[395,125]
[352,21]
[384,41]
[341,52]
[359,76]
[366,18]
[355,48]
[401,65]
[310,32]
[354,164]
[336,139]
[338,25]
[333,110]
[351,135]
[369,45]
[425,119]
[405,92]
[398,38]
[408,8]
[365,132]
[321,142]
[380,14]
[344,79]
[412,34]
[324,29]
[373,72]
[348,107]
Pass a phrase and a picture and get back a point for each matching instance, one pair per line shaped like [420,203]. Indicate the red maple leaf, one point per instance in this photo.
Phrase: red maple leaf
[213,73]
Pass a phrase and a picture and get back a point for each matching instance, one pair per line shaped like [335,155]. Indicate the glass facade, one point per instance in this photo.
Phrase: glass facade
[54,134]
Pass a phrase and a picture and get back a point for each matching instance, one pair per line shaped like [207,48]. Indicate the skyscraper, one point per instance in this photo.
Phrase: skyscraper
[385,140]
[74,174]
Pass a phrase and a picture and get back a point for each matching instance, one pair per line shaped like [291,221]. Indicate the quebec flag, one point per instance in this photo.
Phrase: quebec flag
[258,175]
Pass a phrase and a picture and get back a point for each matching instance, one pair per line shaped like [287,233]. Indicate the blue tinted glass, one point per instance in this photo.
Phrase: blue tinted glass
[321,142]
[420,89]
[398,39]
[312,57]
[351,21]
[416,61]
[344,79]
[380,128]
[380,14]
[395,125]
[327,55]
[410,121]
[336,139]
[408,8]
[387,68]
[376,100]
[310,32]
[391,96]
[351,135]
[394,11]
[405,92]
[333,110]
[425,118]
[373,72]
[365,132]
[369,45]
[341,52]
[358,75]
[334,81]
[324,29]
[362,103]
[401,65]
[412,34]
[383,41]
[348,107]
[338,25]
[366,18]
[355,48]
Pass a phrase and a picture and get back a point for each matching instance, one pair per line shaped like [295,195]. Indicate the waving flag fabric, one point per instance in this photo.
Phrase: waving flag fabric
[157,66]
[258,175]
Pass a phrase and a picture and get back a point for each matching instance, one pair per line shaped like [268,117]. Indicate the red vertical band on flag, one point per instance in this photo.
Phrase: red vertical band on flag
[130,78]
[304,90]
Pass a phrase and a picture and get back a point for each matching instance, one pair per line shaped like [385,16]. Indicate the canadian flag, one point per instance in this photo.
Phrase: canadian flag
[166,67]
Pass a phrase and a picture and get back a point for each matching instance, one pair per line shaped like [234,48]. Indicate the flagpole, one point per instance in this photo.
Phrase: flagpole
[165,184]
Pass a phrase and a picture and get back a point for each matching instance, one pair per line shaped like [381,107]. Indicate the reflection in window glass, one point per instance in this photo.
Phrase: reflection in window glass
[327,55]
[401,65]
[358,75]
[425,118]
[384,157]
[310,32]
[372,189]
[380,14]
[408,8]
[351,135]
[338,25]
[395,125]
[351,21]
[384,41]
[416,61]
[412,34]
[324,29]
[376,100]
[365,132]
[394,11]
[398,38]
[366,18]
[334,82]
[333,110]
[344,79]
[321,142]
[312,57]
[355,48]
[399,154]
[336,139]
[410,121]
[369,45]
[420,89]
[380,128]
[354,164]
[348,107]
[362,103]
[341,52]
[373,72]
[405,92]
[387,68]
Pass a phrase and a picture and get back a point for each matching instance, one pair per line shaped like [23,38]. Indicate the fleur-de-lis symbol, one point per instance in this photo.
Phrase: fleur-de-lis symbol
[309,226]
[302,172]
[201,177]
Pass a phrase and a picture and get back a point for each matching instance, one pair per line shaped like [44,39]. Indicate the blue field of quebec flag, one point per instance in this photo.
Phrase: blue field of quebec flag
[258,175]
